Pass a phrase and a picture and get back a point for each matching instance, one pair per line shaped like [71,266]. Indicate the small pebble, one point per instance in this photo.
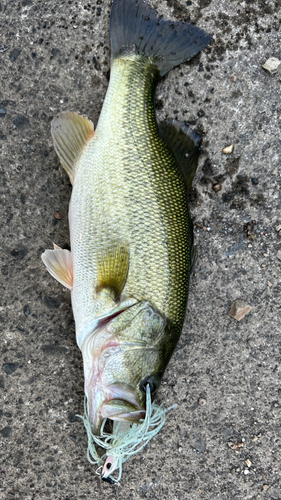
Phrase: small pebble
[265,487]
[234,78]
[228,149]
[216,187]
[201,401]
[279,254]
[58,215]
[239,309]
[248,462]
[238,445]
[272,65]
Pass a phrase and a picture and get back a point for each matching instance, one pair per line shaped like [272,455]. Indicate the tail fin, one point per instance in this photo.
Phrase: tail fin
[136,27]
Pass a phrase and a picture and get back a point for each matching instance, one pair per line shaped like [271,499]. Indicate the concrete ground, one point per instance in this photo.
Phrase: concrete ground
[222,442]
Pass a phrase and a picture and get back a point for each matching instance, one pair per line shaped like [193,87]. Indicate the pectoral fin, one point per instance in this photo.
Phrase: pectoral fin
[113,266]
[59,264]
[71,133]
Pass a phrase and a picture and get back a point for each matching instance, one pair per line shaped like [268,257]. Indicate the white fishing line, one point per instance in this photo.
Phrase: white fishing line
[121,445]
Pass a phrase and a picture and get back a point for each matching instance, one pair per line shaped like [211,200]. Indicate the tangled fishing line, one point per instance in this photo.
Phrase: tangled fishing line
[122,444]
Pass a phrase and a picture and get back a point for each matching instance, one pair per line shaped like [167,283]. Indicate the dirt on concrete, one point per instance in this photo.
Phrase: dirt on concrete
[55,56]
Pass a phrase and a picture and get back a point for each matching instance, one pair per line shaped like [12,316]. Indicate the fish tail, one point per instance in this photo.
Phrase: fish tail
[136,28]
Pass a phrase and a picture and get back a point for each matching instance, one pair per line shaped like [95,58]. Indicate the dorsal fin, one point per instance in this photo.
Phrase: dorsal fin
[184,144]
[71,133]
[113,266]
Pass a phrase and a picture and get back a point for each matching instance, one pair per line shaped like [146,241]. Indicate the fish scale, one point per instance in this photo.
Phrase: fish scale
[132,192]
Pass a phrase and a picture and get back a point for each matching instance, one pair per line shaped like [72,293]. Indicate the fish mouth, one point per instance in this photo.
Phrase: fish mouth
[116,355]
[122,410]
[118,403]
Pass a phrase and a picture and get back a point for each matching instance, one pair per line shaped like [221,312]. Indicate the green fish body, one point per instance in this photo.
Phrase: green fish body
[130,231]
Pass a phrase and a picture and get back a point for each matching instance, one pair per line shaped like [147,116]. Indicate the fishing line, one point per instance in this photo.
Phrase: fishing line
[122,444]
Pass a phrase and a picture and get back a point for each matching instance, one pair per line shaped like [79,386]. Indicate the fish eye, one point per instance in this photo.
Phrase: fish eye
[108,465]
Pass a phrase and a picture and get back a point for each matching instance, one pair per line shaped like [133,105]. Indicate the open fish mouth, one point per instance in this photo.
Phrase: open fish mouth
[118,357]
[124,441]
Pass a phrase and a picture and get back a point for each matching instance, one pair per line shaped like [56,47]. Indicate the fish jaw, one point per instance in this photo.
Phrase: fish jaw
[107,398]
[121,356]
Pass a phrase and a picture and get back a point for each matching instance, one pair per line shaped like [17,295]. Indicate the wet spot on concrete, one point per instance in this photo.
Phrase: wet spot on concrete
[19,253]
[198,442]
[51,303]
[55,52]
[22,198]
[6,431]
[18,456]
[21,121]
[5,270]
[240,185]
[72,418]
[10,368]
[54,350]
[204,3]
[207,167]
[179,10]
[232,166]
[26,310]
[14,54]
[21,330]
[258,199]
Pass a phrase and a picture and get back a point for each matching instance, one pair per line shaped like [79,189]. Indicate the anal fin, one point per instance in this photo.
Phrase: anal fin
[113,266]
[71,132]
[59,264]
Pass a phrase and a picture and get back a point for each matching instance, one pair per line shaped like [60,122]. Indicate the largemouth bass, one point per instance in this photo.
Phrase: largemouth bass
[130,230]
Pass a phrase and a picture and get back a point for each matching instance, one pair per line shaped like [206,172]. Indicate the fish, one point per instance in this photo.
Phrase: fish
[131,235]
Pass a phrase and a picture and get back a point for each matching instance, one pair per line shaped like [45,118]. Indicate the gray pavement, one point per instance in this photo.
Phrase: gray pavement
[222,442]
